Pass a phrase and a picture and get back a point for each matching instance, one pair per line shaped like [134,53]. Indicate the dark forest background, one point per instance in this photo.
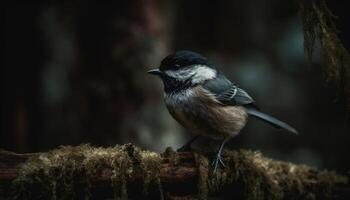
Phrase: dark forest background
[75,72]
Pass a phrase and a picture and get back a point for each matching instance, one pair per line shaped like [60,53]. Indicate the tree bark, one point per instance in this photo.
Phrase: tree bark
[186,175]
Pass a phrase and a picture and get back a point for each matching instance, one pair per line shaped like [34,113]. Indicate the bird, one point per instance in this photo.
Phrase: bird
[203,100]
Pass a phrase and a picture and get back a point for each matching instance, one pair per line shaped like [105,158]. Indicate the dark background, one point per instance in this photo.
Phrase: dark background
[76,73]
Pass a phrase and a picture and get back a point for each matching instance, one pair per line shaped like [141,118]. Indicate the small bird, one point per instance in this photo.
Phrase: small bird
[203,100]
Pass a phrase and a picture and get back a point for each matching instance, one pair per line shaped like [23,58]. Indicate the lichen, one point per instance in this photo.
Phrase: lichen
[318,23]
[58,174]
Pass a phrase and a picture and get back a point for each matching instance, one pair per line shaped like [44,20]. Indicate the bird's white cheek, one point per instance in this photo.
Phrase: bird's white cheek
[203,73]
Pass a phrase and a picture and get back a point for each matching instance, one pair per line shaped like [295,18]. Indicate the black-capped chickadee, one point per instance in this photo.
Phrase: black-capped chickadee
[203,100]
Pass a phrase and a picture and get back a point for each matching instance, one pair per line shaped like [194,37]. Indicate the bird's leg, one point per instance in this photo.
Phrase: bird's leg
[187,146]
[217,159]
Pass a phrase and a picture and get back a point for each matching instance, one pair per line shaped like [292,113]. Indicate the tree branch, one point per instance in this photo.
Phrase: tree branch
[128,172]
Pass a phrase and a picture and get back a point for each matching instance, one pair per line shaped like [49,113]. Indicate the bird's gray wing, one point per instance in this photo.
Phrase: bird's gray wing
[227,92]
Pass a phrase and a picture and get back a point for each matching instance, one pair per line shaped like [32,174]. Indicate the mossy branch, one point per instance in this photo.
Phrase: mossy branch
[122,172]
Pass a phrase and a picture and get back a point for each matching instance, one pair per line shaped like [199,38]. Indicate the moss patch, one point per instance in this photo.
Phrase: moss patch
[58,174]
[68,172]
[264,178]
[203,175]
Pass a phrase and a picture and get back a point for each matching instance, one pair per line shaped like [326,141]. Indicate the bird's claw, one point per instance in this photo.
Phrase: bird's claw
[215,163]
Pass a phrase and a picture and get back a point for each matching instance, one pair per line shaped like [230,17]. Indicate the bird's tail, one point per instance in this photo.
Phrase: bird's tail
[271,120]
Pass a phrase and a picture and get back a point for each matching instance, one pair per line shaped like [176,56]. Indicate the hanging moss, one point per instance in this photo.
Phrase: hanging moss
[318,23]
[58,174]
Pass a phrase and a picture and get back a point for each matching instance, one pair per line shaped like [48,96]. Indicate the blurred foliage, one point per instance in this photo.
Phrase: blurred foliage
[318,23]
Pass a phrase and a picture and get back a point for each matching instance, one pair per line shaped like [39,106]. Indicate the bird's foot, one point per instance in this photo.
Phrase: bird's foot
[216,162]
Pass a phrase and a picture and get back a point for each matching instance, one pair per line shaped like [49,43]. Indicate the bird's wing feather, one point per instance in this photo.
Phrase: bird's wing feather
[271,120]
[227,92]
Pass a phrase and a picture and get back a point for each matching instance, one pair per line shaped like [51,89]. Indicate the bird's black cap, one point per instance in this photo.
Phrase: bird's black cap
[182,59]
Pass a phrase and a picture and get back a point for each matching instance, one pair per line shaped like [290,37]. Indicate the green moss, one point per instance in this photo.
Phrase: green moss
[150,165]
[67,172]
[203,169]
[58,174]
[318,23]
[264,178]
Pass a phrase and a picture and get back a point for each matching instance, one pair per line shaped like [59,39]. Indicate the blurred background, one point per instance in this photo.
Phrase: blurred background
[75,72]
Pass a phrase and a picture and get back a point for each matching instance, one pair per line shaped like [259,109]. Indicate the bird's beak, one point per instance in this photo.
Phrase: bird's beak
[155,72]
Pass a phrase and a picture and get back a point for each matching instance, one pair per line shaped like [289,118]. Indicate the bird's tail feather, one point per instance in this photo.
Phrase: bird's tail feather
[271,120]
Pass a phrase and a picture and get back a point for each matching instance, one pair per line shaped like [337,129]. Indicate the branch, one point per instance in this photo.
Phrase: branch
[125,171]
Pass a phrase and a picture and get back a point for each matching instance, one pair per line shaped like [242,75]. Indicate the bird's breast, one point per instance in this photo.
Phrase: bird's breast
[198,110]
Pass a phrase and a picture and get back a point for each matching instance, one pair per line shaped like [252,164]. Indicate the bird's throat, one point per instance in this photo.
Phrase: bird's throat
[172,85]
